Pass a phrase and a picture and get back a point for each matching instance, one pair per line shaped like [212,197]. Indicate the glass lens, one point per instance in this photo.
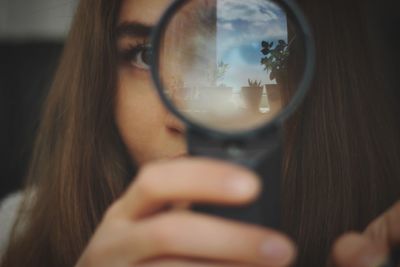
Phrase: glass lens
[231,65]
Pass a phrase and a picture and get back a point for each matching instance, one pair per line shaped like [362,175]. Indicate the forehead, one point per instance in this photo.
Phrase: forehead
[144,11]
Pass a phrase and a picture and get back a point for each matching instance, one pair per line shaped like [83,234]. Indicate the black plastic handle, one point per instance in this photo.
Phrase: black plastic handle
[262,154]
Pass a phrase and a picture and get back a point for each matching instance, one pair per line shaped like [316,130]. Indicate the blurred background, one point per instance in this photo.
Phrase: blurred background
[32,34]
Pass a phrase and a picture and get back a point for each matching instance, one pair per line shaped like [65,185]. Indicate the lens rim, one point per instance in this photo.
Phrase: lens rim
[303,88]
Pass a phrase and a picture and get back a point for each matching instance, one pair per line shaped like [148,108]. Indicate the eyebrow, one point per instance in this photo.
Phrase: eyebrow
[133,29]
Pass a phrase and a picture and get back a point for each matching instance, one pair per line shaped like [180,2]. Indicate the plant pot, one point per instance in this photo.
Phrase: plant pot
[252,97]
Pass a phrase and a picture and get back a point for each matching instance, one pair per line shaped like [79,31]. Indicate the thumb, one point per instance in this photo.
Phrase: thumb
[356,250]
[372,248]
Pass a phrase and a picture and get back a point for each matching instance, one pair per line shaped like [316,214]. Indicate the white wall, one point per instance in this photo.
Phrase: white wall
[35,19]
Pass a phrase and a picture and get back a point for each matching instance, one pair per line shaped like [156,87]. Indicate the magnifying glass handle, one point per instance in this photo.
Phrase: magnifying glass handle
[262,155]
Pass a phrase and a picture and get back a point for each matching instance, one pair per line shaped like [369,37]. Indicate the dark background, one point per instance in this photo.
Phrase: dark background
[26,71]
[27,66]
[32,33]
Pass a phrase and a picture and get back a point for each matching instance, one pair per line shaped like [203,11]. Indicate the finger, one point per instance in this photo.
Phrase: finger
[188,234]
[385,229]
[191,180]
[356,250]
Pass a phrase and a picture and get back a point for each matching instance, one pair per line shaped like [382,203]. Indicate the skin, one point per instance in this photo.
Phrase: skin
[149,131]
[147,226]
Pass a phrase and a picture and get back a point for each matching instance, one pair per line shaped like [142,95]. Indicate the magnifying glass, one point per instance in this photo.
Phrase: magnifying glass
[233,71]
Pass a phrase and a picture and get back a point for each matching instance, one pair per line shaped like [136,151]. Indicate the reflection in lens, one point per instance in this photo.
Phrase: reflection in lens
[231,65]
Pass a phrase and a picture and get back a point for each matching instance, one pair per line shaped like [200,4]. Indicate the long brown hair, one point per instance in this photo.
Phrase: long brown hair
[79,165]
[341,158]
[343,150]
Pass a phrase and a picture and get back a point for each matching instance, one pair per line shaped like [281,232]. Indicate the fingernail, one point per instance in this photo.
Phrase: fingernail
[242,185]
[277,250]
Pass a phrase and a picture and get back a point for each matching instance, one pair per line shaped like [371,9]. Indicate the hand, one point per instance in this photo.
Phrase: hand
[140,229]
[373,247]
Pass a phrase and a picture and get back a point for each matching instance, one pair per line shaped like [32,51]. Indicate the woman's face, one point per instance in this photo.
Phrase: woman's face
[148,130]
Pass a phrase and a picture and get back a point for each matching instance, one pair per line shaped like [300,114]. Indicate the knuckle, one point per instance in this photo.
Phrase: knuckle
[393,214]
[112,211]
[111,239]
[94,254]
[396,209]
[150,170]
[393,217]
[147,182]
[164,234]
[86,260]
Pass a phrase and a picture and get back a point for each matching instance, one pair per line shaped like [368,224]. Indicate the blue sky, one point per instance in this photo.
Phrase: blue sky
[242,25]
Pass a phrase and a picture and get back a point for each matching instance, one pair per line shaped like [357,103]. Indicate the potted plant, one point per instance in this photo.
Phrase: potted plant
[275,59]
[252,94]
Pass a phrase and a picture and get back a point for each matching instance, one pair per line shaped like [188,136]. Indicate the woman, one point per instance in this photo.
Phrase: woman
[103,114]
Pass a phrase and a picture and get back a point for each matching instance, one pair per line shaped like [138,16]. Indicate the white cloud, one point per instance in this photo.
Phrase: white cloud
[227,26]
[244,22]
[249,10]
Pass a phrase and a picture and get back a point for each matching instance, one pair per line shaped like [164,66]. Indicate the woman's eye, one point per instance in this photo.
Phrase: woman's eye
[140,57]
[137,56]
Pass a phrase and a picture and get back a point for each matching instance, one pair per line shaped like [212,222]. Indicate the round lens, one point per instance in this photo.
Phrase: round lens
[230,65]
